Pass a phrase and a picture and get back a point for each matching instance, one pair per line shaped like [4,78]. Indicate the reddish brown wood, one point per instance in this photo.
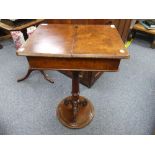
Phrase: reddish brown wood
[88,78]
[116,22]
[121,27]
[126,30]
[79,41]
[74,106]
[120,24]
[82,64]
[81,21]
[70,47]
[75,93]
[84,116]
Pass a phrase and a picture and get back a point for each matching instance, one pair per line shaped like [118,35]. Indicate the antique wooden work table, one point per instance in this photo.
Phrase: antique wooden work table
[75,48]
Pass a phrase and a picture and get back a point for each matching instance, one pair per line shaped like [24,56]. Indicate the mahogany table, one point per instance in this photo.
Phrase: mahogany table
[75,48]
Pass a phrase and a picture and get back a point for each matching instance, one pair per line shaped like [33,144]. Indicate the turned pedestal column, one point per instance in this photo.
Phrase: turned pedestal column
[75,111]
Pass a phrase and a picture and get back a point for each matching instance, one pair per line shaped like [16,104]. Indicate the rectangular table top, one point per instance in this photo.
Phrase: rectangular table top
[81,41]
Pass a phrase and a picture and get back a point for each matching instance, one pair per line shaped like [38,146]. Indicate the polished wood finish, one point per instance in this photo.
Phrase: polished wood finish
[50,40]
[122,25]
[84,116]
[90,35]
[75,41]
[83,64]
[76,48]
[75,111]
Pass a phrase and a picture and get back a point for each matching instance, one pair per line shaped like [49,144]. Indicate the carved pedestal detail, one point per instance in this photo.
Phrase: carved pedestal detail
[75,111]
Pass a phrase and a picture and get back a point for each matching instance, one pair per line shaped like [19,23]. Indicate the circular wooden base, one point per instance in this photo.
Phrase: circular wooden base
[84,115]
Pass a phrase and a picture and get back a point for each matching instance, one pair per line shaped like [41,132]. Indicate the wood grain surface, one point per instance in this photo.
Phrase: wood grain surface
[89,41]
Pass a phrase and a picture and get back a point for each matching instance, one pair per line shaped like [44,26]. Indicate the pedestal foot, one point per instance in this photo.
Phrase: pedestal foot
[46,76]
[84,115]
[41,71]
[26,76]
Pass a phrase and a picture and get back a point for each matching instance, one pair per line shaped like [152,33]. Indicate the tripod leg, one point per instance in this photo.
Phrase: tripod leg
[46,76]
[26,76]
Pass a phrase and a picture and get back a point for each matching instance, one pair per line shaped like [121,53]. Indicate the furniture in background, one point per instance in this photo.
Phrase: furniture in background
[75,48]
[19,25]
[138,27]
[88,78]
[22,25]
